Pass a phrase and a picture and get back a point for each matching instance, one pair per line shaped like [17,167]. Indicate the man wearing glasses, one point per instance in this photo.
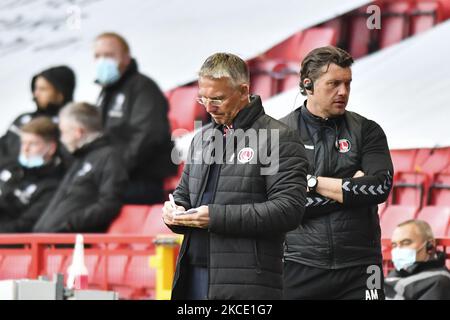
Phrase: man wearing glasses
[241,205]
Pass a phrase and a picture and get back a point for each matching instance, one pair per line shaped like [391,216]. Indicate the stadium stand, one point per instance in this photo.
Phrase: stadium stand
[395,23]
[119,259]
[393,215]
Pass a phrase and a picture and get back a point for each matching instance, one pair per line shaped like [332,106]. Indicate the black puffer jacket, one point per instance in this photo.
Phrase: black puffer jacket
[90,195]
[134,112]
[25,193]
[333,235]
[250,212]
[425,280]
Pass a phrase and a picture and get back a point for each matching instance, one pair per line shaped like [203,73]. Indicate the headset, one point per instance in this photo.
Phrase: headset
[309,85]
[429,246]
[306,86]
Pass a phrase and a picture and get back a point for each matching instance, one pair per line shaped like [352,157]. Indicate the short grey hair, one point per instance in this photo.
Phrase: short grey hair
[424,228]
[84,114]
[226,65]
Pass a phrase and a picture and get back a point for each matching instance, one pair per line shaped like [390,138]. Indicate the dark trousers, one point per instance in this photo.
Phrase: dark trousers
[302,282]
[197,283]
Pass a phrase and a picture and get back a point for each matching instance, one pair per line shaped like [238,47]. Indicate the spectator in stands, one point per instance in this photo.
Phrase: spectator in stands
[350,173]
[243,212]
[27,185]
[90,195]
[134,114]
[52,89]
[420,272]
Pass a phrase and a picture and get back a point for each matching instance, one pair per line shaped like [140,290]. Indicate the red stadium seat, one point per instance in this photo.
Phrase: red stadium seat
[14,267]
[279,71]
[403,160]
[432,161]
[263,78]
[360,37]
[410,189]
[438,218]
[130,220]
[425,15]
[315,38]
[289,76]
[262,84]
[132,277]
[184,109]
[286,50]
[299,45]
[339,25]
[140,278]
[393,216]
[439,193]
[444,6]
[394,23]
[154,225]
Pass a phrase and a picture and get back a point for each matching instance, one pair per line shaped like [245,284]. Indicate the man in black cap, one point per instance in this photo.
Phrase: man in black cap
[51,89]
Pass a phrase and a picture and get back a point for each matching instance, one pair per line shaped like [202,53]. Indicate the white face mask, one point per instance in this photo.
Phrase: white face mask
[32,161]
[403,258]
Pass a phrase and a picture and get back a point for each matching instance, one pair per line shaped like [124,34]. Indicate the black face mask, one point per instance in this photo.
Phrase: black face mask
[52,109]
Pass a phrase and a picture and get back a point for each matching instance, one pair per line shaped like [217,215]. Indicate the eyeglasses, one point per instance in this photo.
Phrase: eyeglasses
[214,102]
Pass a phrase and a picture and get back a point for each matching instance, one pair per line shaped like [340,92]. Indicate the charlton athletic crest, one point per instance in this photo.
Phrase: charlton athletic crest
[246,155]
[344,146]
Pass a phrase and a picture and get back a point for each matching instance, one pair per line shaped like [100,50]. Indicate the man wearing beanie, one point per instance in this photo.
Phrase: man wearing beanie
[51,89]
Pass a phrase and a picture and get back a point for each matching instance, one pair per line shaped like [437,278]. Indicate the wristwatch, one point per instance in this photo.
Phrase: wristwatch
[311,182]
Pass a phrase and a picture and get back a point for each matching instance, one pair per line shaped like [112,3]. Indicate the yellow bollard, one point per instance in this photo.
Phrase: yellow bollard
[164,262]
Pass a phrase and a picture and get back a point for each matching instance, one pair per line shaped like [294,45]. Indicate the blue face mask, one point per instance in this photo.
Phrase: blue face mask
[403,258]
[31,162]
[107,71]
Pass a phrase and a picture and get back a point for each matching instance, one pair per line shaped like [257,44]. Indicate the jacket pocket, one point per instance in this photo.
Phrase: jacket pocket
[258,263]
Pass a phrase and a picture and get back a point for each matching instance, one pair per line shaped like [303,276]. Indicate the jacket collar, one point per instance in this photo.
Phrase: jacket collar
[315,120]
[54,166]
[248,115]
[88,147]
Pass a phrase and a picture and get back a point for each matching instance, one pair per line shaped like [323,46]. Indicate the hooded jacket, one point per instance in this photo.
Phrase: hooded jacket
[63,79]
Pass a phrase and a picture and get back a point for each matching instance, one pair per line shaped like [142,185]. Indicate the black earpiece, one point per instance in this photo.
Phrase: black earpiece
[429,246]
[307,85]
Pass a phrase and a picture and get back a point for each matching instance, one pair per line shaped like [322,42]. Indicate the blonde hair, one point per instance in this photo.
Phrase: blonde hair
[225,65]
[44,127]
